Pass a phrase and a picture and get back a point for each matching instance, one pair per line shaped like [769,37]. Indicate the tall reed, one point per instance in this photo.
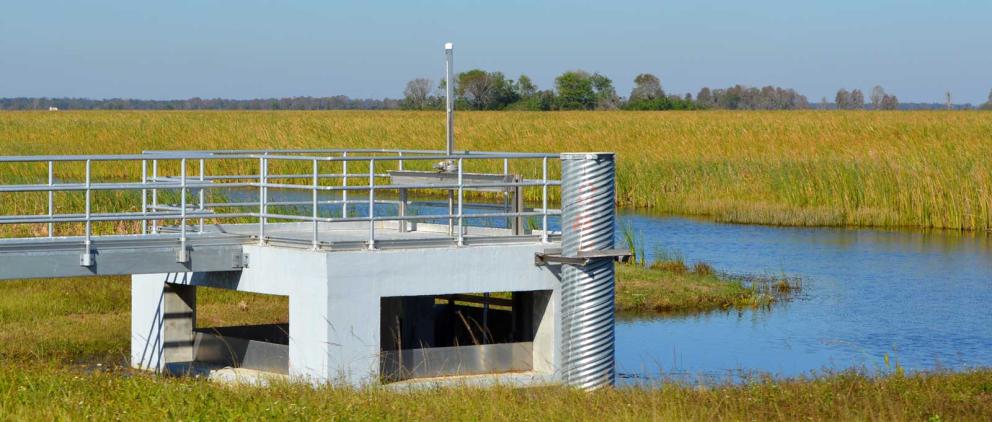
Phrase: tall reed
[919,169]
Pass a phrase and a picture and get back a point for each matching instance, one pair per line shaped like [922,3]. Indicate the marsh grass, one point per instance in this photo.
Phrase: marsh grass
[809,168]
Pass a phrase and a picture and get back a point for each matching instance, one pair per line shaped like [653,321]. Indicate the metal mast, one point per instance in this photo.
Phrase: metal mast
[449,103]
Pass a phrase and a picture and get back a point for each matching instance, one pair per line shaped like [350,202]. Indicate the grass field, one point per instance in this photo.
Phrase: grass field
[914,169]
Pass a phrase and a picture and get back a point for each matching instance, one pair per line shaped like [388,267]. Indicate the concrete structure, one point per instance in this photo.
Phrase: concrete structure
[336,304]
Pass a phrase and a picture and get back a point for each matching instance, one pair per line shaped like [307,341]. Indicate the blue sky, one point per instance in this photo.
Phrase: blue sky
[253,48]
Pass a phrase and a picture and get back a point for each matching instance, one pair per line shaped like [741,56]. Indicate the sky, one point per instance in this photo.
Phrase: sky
[173,49]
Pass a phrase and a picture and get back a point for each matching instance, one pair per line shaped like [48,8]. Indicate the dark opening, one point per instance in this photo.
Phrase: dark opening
[424,336]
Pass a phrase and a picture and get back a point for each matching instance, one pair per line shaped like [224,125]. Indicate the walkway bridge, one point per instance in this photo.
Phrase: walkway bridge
[194,210]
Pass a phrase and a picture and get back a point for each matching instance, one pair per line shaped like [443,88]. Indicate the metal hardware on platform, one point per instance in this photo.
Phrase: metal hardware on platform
[582,259]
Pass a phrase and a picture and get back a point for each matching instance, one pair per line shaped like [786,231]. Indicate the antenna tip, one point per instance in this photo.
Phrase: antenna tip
[448,46]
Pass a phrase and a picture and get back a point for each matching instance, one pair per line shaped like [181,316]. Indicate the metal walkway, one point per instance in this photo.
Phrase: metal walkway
[192,211]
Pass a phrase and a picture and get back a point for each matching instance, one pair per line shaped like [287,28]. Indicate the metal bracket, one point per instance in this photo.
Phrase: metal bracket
[554,256]
[182,255]
[240,261]
[86,259]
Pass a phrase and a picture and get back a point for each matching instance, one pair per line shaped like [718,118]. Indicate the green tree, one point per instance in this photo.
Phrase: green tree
[575,91]
[606,94]
[525,88]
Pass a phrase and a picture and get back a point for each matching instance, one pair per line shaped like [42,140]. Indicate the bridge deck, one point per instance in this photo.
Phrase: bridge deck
[218,247]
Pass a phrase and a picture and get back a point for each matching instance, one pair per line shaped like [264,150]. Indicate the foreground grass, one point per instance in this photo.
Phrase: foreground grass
[52,392]
[918,169]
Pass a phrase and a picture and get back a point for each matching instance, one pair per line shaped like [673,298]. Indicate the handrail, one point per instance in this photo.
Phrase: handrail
[189,206]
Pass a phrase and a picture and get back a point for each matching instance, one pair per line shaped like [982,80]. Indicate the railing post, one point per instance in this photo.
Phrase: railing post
[201,195]
[86,259]
[316,240]
[587,295]
[400,168]
[461,197]
[154,195]
[371,203]
[144,197]
[262,191]
[51,199]
[344,183]
[506,192]
[183,255]
[544,201]
[403,199]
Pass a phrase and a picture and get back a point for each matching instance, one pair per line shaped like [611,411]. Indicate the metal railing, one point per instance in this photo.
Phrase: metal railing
[239,172]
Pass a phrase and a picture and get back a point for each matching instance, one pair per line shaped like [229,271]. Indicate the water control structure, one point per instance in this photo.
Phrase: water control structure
[400,266]
[387,281]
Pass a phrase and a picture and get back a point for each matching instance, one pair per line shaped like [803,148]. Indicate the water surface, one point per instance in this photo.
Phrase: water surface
[921,298]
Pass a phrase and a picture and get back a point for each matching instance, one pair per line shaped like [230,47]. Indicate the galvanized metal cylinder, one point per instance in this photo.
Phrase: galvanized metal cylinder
[587,293]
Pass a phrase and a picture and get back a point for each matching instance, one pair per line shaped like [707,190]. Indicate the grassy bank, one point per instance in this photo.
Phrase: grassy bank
[50,392]
[672,288]
[919,169]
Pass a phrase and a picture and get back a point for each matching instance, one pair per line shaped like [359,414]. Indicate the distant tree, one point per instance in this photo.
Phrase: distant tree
[575,91]
[857,99]
[416,96]
[525,87]
[646,87]
[705,97]
[947,99]
[889,102]
[877,94]
[843,99]
[482,90]
[606,94]
[988,104]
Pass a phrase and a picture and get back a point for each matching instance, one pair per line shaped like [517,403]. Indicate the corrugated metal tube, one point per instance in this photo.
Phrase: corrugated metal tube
[587,301]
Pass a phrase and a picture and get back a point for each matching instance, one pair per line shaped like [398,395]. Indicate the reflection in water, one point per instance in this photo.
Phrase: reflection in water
[920,297]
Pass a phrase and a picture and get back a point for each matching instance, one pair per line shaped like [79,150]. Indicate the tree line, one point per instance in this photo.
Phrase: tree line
[478,89]
[481,90]
[855,99]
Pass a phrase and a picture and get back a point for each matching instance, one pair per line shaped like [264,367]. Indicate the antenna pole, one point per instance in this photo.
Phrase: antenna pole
[449,103]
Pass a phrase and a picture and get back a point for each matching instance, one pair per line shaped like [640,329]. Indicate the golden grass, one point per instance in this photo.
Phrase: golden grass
[918,169]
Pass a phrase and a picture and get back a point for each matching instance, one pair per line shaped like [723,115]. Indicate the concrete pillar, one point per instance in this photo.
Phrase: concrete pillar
[163,316]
